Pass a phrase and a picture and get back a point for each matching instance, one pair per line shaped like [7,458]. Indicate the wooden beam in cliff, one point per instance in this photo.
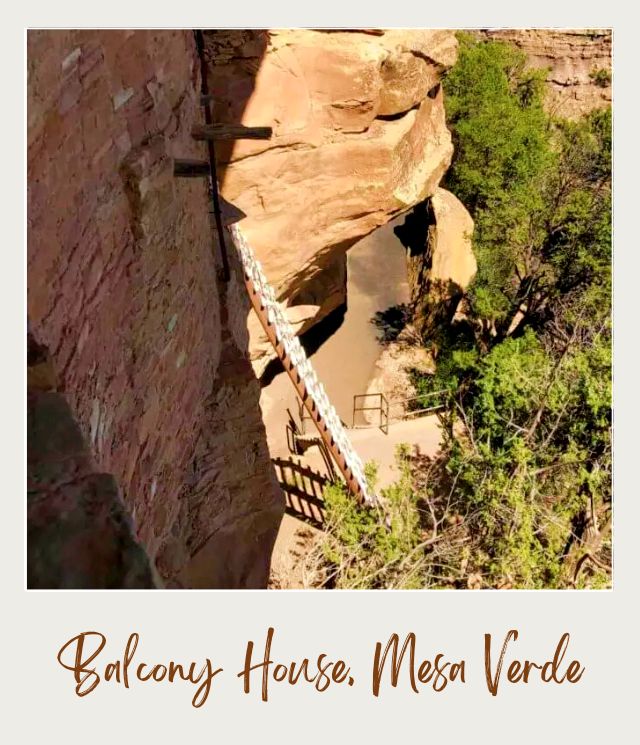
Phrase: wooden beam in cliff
[230,132]
[191,168]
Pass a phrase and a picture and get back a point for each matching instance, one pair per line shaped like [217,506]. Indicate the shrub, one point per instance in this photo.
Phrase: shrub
[601,77]
[364,547]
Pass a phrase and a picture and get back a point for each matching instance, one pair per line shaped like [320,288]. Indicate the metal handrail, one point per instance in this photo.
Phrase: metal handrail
[408,414]
[422,395]
[382,407]
[385,404]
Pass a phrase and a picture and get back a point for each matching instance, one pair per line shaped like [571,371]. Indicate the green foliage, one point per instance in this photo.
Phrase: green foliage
[601,77]
[539,454]
[368,548]
[532,185]
[520,495]
[494,107]
[577,245]
[502,153]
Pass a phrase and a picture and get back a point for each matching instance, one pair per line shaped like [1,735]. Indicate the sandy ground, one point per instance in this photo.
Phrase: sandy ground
[376,280]
[372,444]
[345,363]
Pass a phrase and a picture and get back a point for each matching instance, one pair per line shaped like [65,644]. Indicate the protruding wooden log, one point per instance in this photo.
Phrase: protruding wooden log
[229,132]
[190,168]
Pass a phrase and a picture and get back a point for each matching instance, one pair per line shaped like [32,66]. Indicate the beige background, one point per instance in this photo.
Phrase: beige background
[38,698]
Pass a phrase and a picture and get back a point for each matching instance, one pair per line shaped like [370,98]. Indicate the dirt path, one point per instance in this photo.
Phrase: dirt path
[376,281]
[345,362]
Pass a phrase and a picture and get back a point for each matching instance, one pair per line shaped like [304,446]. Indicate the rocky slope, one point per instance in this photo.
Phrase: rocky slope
[579,63]
[359,136]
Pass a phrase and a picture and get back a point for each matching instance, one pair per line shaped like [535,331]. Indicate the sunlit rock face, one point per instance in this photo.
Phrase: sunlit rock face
[359,135]
[438,236]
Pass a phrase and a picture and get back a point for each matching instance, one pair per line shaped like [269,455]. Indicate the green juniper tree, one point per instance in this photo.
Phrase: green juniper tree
[521,494]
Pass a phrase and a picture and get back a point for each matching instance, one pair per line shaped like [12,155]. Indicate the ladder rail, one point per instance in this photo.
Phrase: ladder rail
[300,371]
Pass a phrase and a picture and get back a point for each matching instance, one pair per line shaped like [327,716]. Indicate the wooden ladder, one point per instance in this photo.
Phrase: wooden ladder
[272,317]
[298,367]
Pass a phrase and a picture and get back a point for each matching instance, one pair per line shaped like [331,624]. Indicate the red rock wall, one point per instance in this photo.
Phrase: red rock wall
[149,346]
[79,533]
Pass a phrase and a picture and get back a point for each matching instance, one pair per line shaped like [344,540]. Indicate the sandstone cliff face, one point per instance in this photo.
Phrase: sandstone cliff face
[441,265]
[79,533]
[441,262]
[359,136]
[449,241]
[149,346]
[579,62]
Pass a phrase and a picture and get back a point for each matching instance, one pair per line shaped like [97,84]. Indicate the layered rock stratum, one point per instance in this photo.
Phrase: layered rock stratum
[359,136]
[578,63]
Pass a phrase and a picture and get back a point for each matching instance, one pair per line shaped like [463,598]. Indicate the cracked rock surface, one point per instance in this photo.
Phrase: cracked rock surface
[359,136]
